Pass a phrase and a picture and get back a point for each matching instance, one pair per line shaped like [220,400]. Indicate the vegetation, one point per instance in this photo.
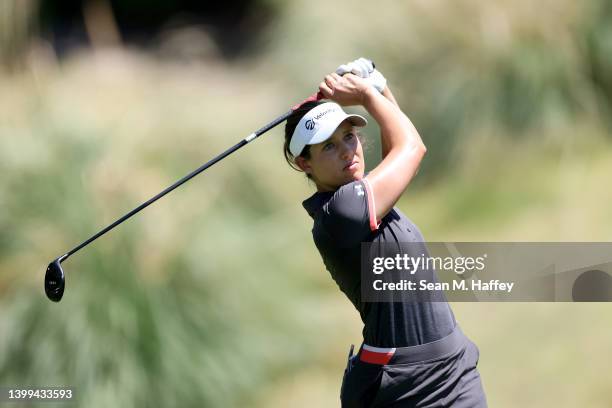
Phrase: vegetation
[216,296]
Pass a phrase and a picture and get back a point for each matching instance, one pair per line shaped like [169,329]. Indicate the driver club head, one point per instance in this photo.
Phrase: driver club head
[54,281]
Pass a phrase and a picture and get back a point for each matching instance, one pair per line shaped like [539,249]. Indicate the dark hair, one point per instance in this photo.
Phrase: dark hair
[290,125]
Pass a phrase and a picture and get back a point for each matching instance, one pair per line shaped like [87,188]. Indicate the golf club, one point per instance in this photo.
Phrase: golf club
[55,277]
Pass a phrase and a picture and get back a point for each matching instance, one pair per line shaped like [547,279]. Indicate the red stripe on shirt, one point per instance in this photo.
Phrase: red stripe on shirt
[371,205]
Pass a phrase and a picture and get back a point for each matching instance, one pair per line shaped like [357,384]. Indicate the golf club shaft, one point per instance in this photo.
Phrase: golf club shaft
[194,173]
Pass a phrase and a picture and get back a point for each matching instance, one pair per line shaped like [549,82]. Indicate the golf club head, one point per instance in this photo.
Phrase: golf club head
[54,281]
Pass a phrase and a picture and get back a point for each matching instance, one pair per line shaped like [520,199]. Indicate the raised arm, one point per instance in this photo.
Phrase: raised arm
[402,146]
[402,150]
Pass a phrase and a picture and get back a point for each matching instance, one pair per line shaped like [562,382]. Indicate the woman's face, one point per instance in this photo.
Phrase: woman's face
[336,161]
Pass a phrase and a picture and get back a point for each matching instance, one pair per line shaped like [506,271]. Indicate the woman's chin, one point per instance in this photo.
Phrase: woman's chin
[356,174]
[353,177]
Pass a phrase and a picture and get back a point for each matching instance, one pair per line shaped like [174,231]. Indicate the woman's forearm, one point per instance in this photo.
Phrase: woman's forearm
[397,131]
[387,94]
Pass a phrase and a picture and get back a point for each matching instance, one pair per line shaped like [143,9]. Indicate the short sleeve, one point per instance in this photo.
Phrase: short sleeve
[350,215]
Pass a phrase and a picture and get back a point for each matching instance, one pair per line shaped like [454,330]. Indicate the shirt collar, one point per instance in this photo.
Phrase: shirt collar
[316,201]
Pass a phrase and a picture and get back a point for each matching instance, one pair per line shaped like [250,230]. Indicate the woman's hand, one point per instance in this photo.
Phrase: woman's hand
[364,68]
[345,90]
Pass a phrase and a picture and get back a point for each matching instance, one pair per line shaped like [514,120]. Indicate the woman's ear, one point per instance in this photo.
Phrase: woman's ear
[303,164]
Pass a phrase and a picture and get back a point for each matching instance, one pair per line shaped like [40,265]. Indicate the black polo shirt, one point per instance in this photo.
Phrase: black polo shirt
[342,221]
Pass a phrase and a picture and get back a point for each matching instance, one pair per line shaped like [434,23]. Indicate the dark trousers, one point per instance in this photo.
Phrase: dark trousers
[438,374]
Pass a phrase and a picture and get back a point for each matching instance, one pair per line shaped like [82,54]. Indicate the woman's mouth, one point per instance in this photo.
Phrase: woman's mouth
[352,165]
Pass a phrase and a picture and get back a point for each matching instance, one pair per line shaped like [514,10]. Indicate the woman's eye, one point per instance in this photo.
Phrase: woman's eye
[328,146]
[349,136]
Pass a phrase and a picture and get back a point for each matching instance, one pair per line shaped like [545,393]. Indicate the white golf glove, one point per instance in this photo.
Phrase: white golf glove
[364,68]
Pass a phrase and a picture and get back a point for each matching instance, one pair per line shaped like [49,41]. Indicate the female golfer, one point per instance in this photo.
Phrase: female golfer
[413,353]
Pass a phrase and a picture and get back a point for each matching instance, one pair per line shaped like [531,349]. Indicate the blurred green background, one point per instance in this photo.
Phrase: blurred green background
[216,296]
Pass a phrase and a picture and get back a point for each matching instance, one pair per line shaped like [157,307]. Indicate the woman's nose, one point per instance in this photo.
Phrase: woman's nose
[346,151]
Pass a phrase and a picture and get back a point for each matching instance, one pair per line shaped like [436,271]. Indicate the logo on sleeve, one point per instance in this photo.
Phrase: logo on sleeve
[359,189]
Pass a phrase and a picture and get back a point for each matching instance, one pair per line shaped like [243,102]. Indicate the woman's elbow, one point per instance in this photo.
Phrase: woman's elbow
[419,149]
[412,149]
[416,144]
[423,149]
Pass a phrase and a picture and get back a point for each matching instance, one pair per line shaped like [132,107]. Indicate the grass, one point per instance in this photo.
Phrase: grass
[217,296]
